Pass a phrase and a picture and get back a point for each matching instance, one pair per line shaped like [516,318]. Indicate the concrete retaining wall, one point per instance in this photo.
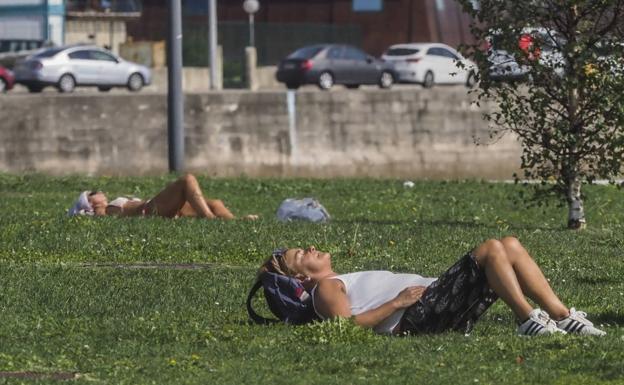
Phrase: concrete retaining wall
[197,79]
[410,133]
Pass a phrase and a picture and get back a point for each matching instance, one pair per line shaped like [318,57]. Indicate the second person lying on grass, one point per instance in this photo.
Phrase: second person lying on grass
[181,198]
[411,304]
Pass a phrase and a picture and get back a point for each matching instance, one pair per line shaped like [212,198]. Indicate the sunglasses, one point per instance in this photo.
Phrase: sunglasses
[278,255]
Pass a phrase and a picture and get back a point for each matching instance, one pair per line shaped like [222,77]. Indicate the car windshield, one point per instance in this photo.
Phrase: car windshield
[402,51]
[48,53]
[306,52]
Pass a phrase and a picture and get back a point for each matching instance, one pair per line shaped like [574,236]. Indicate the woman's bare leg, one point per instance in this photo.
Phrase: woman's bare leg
[215,205]
[218,208]
[185,189]
[492,257]
[532,280]
[186,211]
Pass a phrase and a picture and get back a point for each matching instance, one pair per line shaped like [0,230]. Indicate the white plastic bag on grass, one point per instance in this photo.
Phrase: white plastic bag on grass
[306,209]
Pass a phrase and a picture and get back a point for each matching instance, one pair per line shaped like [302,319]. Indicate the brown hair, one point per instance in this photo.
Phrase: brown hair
[277,264]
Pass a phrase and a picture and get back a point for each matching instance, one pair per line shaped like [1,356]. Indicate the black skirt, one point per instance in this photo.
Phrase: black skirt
[455,301]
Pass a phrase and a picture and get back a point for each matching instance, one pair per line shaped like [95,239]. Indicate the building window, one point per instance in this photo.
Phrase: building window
[367,5]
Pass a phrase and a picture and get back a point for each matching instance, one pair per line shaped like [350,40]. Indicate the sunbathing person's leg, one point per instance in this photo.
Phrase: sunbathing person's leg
[532,280]
[186,211]
[512,273]
[218,208]
[215,205]
[492,257]
[172,199]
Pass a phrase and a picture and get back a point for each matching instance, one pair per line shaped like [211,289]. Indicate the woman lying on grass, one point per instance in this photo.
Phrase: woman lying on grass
[181,198]
[411,304]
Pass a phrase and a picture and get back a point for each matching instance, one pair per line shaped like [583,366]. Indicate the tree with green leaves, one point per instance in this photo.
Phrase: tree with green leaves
[555,71]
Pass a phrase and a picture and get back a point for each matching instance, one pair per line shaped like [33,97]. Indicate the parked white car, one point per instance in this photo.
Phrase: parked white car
[429,64]
[80,65]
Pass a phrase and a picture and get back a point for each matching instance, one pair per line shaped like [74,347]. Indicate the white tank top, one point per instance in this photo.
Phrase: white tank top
[368,290]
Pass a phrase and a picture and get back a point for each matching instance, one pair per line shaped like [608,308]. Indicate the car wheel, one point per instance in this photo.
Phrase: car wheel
[34,89]
[428,82]
[292,86]
[104,89]
[135,82]
[66,83]
[386,80]
[471,80]
[326,81]
[352,86]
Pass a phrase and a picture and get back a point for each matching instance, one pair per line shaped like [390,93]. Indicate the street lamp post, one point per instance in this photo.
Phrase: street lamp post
[212,46]
[251,7]
[175,98]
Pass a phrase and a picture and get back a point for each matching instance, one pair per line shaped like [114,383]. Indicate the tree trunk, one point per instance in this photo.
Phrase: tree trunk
[576,211]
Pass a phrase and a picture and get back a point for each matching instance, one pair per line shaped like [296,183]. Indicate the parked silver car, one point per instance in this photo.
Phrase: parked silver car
[79,65]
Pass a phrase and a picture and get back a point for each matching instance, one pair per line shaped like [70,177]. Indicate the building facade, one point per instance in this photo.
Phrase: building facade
[382,22]
[27,24]
[100,22]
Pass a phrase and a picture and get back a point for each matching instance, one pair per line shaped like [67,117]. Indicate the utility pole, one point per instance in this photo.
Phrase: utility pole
[410,17]
[175,98]
[212,21]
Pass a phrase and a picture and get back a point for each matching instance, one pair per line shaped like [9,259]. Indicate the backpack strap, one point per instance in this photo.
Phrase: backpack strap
[252,314]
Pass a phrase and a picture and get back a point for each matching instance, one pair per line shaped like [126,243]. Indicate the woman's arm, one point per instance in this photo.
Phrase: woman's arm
[331,301]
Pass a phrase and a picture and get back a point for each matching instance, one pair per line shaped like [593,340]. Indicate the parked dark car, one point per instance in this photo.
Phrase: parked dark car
[7,80]
[329,64]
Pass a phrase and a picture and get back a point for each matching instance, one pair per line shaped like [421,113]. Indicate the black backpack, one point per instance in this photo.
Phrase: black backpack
[287,299]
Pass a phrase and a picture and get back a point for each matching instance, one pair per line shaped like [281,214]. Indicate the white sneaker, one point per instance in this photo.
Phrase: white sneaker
[539,323]
[576,323]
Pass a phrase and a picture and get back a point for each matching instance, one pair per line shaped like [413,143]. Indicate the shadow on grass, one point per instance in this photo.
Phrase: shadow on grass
[609,317]
[30,375]
[160,266]
[445,222]
[598,280]
[416,222]
[368,221]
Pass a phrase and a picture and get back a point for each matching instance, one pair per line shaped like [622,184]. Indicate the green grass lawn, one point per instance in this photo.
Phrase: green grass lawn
[64,307]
